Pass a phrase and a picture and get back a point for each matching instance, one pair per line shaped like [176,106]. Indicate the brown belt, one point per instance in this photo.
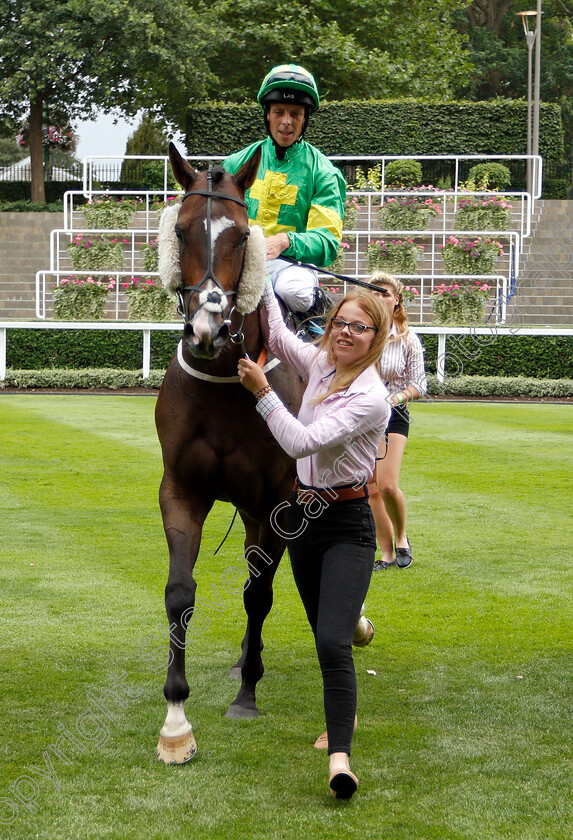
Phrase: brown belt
[333,494]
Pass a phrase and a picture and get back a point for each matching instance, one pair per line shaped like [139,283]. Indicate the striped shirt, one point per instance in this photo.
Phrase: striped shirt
[402,363]
[335,442]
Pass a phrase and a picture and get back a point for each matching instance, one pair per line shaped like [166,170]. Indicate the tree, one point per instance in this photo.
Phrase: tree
[77,56]
[498,52]
[10,151]
[151,137]
[355,48]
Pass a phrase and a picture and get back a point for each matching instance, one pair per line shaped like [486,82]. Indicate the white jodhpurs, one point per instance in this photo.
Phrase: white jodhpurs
[294,284]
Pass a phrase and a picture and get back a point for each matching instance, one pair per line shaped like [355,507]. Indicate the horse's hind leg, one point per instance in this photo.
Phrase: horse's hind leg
[183,521]
[263,557]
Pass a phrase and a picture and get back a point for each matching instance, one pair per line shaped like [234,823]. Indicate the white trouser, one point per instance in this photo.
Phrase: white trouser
[294,284]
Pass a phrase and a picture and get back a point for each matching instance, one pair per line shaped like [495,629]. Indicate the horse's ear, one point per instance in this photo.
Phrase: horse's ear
[183,172]
[246,175]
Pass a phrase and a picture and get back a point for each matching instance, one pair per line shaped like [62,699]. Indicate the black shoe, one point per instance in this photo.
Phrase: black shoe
[321,304]
[382,564]
[404,557]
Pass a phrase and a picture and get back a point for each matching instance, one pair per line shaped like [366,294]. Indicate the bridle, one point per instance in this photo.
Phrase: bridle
[215,297]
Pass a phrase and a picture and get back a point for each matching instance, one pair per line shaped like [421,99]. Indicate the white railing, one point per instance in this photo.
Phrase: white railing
[448,201]
[456,192]
[147,329]
[90,165]
[536,160]
[435,239]
[147,200]
[356,265]
[497,301]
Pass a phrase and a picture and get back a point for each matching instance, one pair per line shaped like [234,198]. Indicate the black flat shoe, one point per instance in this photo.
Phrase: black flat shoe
[404,558]
[382,564]
[343,784]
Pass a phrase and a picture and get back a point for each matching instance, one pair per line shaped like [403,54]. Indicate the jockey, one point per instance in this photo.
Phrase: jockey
[298,196]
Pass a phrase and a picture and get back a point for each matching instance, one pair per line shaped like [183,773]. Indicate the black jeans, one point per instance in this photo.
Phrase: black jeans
[332,558]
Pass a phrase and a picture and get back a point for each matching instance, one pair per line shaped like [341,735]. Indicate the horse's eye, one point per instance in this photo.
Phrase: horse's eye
[244,237]
[179,234]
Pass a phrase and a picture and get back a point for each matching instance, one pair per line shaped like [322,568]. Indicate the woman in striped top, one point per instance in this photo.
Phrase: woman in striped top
[402,369]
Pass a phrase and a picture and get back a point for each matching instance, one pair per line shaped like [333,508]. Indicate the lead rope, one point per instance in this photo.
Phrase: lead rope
[227,534]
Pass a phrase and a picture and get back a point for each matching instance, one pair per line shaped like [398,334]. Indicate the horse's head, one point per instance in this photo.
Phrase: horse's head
[212,233]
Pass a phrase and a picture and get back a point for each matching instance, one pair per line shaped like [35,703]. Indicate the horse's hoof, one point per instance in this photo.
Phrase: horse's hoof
[364,632]
[236,712]
[176,749]
[235,672]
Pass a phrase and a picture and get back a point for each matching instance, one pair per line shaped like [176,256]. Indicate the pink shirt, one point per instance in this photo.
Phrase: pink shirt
[335,442]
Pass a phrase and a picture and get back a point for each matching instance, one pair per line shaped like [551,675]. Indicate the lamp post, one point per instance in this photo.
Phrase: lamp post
[533,37]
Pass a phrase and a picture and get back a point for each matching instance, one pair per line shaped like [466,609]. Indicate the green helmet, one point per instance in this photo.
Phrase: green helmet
[289,83]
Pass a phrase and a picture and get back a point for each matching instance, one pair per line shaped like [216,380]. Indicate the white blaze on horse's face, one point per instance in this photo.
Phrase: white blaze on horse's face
[217,228]
[212,301]
[205,324]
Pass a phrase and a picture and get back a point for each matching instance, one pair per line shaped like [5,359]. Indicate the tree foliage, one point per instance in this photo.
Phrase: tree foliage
[498,52]
[355,48]
[75,57]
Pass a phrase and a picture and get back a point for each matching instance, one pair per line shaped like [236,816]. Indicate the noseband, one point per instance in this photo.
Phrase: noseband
[211,299]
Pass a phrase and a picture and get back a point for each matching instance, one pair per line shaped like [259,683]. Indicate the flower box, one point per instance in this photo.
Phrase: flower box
[96,253]
[396,256]
[150,255]
[148,301]
[351,208]
[81,298]
[460,303]
[109,213]
[408,212]
[483,213]
[471,255]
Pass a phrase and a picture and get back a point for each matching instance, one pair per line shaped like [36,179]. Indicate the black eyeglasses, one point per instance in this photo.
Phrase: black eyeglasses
[338,324]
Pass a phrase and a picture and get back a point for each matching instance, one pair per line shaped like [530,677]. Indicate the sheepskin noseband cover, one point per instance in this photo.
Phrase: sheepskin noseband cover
[253,276]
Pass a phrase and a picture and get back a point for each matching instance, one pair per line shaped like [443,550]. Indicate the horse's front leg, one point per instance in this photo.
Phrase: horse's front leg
[263,551]
[183,520]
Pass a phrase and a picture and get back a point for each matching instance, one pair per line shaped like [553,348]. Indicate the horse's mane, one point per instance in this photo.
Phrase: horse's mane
[253,276]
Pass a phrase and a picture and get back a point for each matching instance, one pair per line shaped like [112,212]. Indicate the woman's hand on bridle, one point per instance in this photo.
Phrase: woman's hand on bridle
[251,375]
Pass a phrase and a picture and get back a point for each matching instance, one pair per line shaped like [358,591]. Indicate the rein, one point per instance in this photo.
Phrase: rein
[213,299]
[353,280]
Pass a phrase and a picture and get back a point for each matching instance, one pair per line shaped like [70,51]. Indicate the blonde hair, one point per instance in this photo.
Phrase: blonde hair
[378,314]
[399,317]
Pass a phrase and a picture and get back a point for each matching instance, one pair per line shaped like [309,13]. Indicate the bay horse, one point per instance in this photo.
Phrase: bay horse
[214,444]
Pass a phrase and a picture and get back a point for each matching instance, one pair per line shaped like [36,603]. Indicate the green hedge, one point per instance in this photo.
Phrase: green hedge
[371,127]
[500,386]
[18,190]
[90,378]
[82,349]
[463,386]
[539,357]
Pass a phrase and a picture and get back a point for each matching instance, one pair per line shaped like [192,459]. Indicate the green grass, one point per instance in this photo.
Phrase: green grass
[464,731]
